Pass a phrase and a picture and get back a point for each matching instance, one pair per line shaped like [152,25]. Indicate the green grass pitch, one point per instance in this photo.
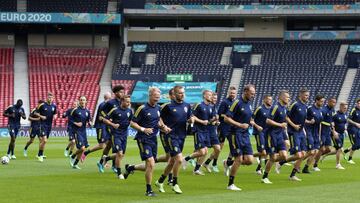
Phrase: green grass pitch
[27,180]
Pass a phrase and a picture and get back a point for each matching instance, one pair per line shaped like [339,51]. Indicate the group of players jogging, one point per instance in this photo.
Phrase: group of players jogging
[284,132]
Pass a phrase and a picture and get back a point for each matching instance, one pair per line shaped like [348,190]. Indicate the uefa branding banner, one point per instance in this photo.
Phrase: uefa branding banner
[57,132]
[321,35]
[193,91]
[66,18]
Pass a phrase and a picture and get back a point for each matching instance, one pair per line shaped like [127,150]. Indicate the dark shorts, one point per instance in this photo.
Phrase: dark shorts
[119,143]
[102,134]
[13,131]
[147,147]
[71,134]
[260,141]
[34,131]
[275,142]
[223,133]
[325,135]
[81,139]
[175,143]
[354,136]
[201,140]
[339,142]
[240,144]
[45,131]
[164,143]
[297,141]
[213,138]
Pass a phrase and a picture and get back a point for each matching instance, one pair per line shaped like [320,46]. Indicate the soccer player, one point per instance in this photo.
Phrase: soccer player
[338,134]
[166,156]
[312,128]
[354,131]
[14,113]
[69,149]
[119,121]
[47,112]
[103,136]
[147,122]
[119,92]
[239,117]
[260,115]
[34,128]
[81,117]
[214,139]
[277,126]
[224,128]
[203,116]
[175,116]
[296,117]
[326,129]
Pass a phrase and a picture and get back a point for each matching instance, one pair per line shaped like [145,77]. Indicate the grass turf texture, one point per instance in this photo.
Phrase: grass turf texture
[27,180]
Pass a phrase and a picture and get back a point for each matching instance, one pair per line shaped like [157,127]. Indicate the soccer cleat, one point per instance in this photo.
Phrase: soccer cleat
[226,168]
[160,186]
[340,167]
[266,181]
[294,178]
[305,170]
[176,189]
[44,156]
[351,162]
[233,187]
[76,167]
[13,157]
[198,172]
[25,153]
[259,172]
[66,153]
[215,169]
[100,167]
[207,167]
[277,168]
[192,162]
[316,169]
[150,194]
[121,177]
[113,168]
[127,172]
[184,164]
[83,157]
[40,158]
[9,156]
[71,161]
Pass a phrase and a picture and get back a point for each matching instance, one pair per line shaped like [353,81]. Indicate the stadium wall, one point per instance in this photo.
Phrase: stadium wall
[7,40]
[264,28]
[68,40]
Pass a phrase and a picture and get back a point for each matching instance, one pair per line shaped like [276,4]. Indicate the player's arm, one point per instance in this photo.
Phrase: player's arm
[270,121]
[109,123]
[253,123]
[350,121]
[229,117]
[77,122]
[9,113]
[196,119]
[292,124]
[163,127]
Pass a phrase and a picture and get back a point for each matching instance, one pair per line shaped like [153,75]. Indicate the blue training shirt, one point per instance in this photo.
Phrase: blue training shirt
[147,116]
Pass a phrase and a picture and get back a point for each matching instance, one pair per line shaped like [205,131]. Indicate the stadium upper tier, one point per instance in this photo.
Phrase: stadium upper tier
[8,5]
[68,73]
[284,65]
[6,81]
[247,2]
[70,6]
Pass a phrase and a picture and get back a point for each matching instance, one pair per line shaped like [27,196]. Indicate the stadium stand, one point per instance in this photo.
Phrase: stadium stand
[355,91]
[247,2]
[295,64]
[78,6]
[8,5]
[68,73]
[6,81]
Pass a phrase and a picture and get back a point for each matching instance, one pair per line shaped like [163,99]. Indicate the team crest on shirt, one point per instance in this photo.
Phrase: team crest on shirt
[79,113]
[149,114]
[53,109]
[210,110]
[120,115]
[128,114]
[174,110]
[87,114]
[158,112]
[45,109]
[299,109]
[242,109]
[186,109]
